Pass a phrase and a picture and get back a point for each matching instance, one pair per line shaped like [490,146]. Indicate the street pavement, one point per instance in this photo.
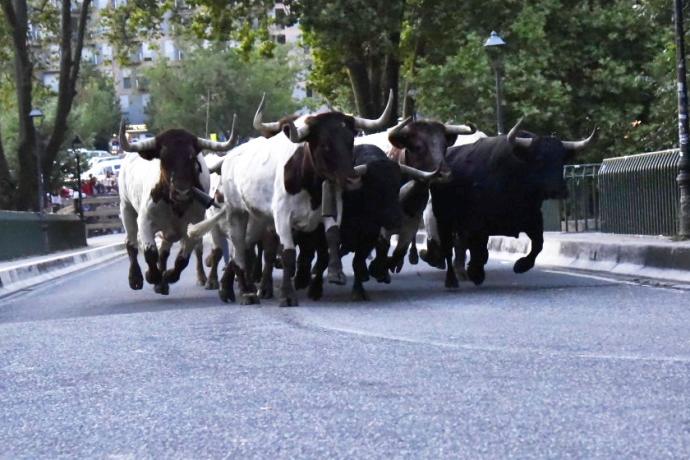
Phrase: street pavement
[546,364]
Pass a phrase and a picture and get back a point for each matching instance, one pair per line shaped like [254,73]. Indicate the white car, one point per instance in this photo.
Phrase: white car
[102,168]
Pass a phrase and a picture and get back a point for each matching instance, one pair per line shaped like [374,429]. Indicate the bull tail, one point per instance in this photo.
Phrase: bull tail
[195,231]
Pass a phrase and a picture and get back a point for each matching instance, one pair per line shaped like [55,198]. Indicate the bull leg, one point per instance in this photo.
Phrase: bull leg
[226,292]
[257,263]
[378,268]
[525,263]
[164,252]
[148,242]
[181,261]
[479,255]
[359,266]
[459,263]
[408,231]
[238,234]
[270,247]
[315,291]
[335,266]
[201,278]
[432,255]
[129,221]
[214,258]
[305,242]
[445,231]
[136,280]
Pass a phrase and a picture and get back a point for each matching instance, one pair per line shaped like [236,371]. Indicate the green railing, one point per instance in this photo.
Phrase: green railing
[580,211]
[638,194]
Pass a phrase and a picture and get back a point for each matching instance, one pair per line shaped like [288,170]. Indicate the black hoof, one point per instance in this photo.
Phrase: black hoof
[266,292]
[249,299]
[153,277]
[302,279]
[171,276]
[337,277]
[452,282]
[289,301]
[359,295]
[211,284]
[476,274]
[315,291]
[201,280]
[413,257]
[162,288]
[395,264]
[226,295]
[136,281]
[522,265]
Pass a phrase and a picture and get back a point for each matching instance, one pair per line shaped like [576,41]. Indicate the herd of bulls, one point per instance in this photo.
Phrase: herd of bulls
[309,187]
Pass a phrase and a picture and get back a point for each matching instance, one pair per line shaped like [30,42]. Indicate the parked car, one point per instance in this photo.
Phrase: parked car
[102,168]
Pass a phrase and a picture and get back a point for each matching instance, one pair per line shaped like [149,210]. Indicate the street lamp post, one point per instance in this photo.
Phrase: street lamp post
[683,178]
[36,116]
[494,48]
[76,142]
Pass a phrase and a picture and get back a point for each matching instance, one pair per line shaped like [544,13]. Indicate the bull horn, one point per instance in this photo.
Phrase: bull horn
[397,128]
[206,144]
[518,141]
[380,122]
[417,174]
[146,144]
[406,190]
[204,198]
[298,135]
[469,128]
[360,170]
[579,145]
[259,125]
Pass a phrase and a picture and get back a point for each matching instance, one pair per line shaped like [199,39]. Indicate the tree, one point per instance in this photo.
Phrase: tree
[18,15]
[235,84]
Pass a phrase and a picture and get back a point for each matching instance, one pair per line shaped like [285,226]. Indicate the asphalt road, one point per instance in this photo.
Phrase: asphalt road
[544,364]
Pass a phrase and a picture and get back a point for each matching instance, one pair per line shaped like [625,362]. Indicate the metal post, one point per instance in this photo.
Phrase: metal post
[499,98]
[41,193]
[683,178]
[80,209]
[208,108]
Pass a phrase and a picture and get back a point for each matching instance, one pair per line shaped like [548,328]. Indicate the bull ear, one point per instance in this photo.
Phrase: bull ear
[450,139]
[398,139]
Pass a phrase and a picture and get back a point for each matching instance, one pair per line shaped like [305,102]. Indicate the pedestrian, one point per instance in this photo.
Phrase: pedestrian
[87,187]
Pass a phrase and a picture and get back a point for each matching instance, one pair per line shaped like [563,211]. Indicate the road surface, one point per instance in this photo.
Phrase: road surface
[545,364]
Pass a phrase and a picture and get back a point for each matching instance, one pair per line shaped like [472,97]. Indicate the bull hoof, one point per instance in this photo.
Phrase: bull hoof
[249,298]
[337,277]
[359,295]
[201,280]
[171,276]
[461,273]
[522,265]
[154,277]
[379,271]
[315,291]
[162,288]
[476,274]
[395,263]
[226,295]
[136,281]
[208,261]
[211,284]
[413,257]
[302,279]
[266,292]
[289,301]
[428,257]
[452,282]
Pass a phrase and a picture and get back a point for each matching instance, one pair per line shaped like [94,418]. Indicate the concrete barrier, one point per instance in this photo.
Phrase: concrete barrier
[26,233]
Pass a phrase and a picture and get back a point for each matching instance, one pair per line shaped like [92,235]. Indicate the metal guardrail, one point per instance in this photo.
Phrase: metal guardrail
[580,211]
[639,194]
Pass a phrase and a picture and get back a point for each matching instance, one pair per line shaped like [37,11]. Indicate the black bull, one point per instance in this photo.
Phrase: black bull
[497,188]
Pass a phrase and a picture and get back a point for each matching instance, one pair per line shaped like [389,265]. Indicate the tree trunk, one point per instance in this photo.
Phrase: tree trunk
[69,73]
[361,88]
[6,182]
[17,20]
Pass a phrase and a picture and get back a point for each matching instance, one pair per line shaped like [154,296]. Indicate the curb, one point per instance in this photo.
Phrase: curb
[657,261]
[25,276]
[666,262]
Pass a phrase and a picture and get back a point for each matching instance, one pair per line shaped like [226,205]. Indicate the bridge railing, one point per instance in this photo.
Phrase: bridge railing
[580,211]
[639,194]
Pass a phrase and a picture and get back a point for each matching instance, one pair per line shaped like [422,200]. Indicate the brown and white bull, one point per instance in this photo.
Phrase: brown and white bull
[163,183]
[277,183]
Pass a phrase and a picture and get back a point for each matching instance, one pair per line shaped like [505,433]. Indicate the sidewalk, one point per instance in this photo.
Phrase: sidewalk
[643,256]
[19,274]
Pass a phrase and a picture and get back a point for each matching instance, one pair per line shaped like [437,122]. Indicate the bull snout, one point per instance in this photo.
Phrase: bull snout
[180,195]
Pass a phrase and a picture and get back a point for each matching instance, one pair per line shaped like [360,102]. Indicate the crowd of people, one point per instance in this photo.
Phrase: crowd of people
[92,186]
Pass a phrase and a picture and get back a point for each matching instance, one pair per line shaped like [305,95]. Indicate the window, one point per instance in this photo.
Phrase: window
[280,38]
[127,83]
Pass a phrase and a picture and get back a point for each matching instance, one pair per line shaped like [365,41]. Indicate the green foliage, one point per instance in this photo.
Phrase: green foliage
[96,112]
[608,64]
[179,90]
